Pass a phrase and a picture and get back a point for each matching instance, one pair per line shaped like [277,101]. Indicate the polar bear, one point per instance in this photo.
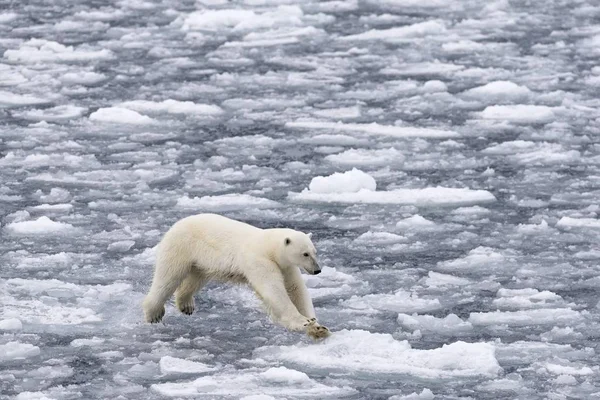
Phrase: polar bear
[207,247]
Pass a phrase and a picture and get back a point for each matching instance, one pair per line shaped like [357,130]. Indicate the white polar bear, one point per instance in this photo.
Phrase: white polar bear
[211,247]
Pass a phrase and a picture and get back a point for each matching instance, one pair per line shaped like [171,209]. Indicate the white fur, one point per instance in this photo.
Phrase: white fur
[207,247]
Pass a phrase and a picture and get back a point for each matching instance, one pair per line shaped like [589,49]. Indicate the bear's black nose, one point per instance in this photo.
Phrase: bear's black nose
[317,272]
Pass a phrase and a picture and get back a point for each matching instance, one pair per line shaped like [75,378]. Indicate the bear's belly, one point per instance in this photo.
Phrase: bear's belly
[231,277]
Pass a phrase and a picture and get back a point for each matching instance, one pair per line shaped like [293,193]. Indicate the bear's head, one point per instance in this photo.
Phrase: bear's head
[299,251]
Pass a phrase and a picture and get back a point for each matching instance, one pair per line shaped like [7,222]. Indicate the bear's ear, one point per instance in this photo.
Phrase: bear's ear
[287,241]
[309,234]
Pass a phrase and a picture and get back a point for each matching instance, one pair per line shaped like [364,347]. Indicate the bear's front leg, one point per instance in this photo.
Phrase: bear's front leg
[268,283]
[316,331]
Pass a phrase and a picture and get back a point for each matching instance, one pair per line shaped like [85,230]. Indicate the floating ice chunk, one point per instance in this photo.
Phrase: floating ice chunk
[80,26]
[85,78]
[526,298]
[121,246]
[56,195]
[42,160]
[279,381]
[33,396]
[367,157]
[179,366]
[93,342]
[40,226]
[437,196]
[422,69]
[561,334]
[258,397]
[8,100]
[120,115]
[59,113]
[347,182]
[498,92]
[339,113]
[526,153]
[51,372]
[435,279]
[379,238]
[425,394]
[334,140]
[450,325]
[378,353]
[558,369]
[172,107]
[416,222]
[242,20]
[435,87]
[407,4]
[375,129]
[477,259]
[274,37]
[428,28]
[39,51]
[463,47]
[17,351]
[534,229]
[46,261]
[567,223]
[53,208]
[329,277]
[11,324]
[519,114]
[557,316]
[400,301]
[6,17]
[226,202]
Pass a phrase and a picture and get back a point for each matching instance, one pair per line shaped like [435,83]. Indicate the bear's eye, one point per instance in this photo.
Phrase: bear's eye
[305,254]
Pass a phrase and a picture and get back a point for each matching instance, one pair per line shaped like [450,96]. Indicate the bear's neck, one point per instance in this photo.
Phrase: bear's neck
[271,240]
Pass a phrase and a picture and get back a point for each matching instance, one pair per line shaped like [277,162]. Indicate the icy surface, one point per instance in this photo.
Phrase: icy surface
[444,154]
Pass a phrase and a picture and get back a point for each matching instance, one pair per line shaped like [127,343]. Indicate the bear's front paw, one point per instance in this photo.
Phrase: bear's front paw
[186,307]
[155,316]
[316,331]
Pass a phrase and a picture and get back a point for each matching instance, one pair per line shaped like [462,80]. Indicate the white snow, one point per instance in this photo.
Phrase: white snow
[357,351]
[444,154]
[347,182]
[120,115]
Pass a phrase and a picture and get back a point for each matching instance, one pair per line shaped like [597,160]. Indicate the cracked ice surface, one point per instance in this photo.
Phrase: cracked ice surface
[443,154]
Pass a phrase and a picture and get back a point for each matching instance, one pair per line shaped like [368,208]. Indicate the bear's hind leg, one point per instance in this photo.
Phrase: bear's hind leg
[184,295]
[167,277]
